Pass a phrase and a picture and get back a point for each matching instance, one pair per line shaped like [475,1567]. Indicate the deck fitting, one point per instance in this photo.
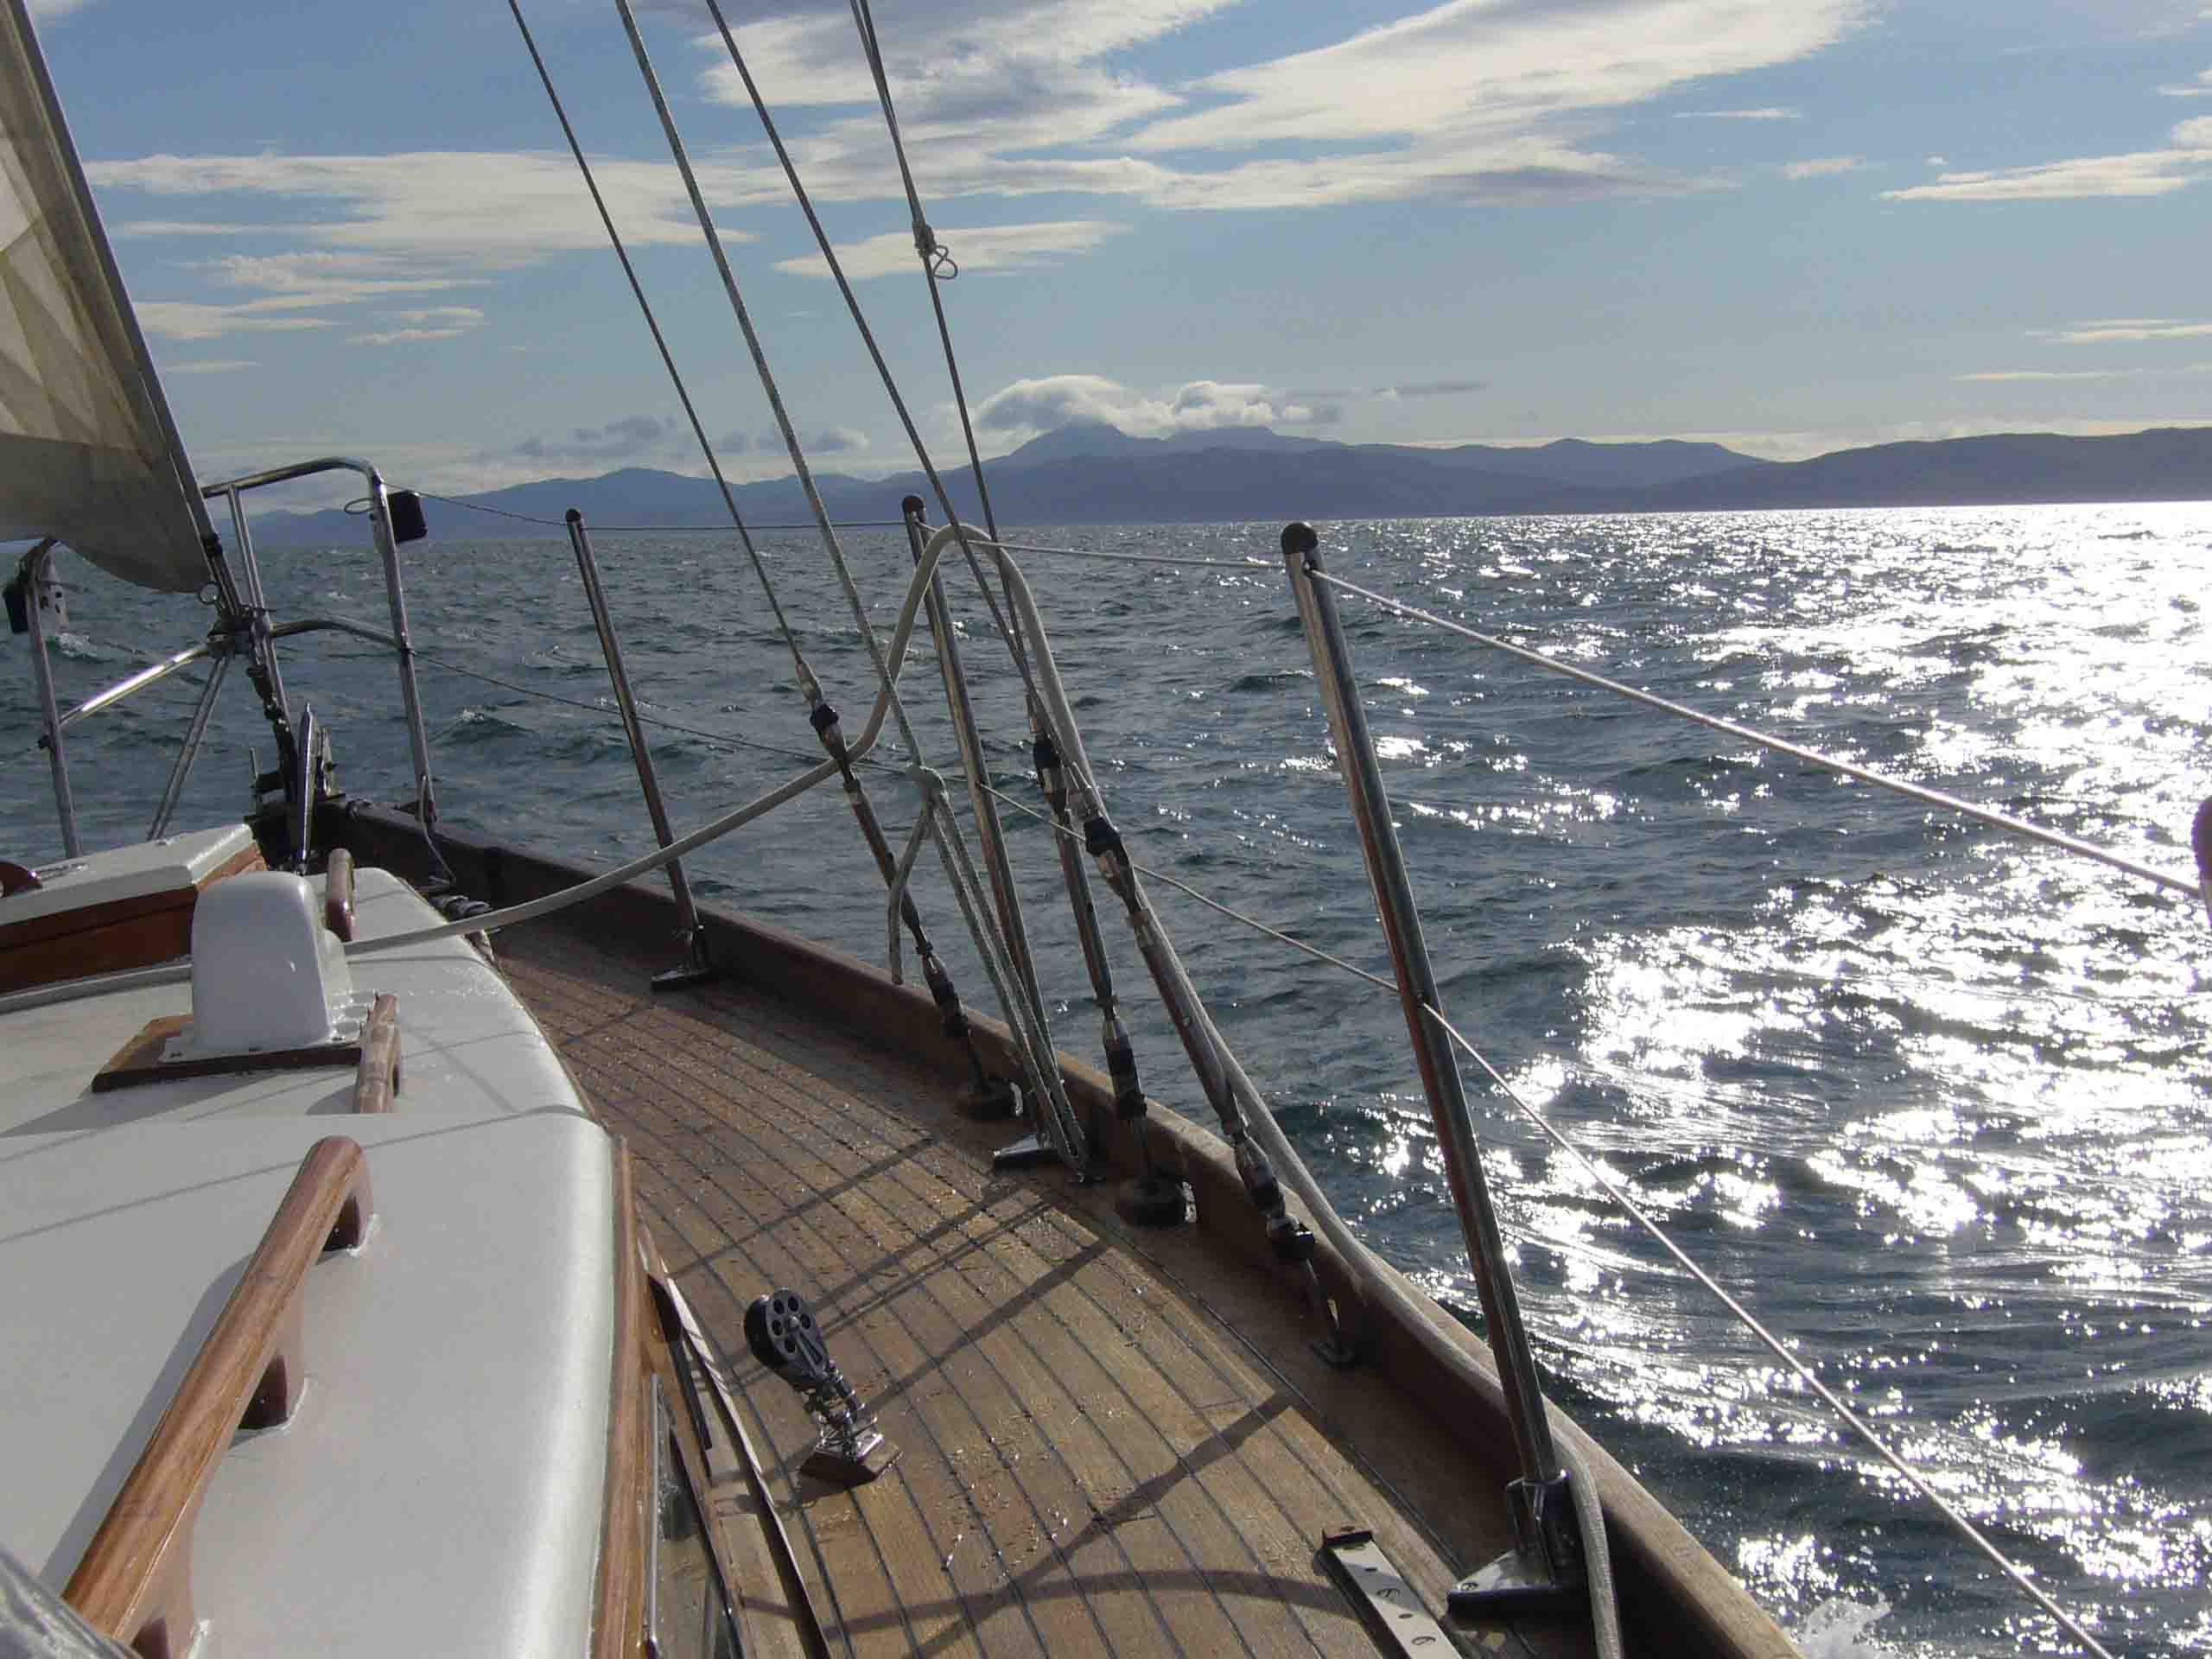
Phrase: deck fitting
[992,1098]
[1152,1201]
[1390,1607]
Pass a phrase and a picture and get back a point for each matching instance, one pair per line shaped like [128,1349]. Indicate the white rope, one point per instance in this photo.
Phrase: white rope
[1779,745]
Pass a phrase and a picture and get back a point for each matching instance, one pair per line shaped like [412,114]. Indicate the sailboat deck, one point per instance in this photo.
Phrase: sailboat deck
[1094,1457]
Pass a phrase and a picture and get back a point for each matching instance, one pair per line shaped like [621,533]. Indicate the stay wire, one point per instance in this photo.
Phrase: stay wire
[867,335]
[660,342]
[1920,793]
[681,156]
[926,247]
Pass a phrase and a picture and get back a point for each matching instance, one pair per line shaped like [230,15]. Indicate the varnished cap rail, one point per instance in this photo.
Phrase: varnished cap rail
[135,1582]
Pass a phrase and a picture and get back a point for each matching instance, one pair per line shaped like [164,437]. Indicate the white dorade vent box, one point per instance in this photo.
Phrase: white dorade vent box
[127,907]
[267,975]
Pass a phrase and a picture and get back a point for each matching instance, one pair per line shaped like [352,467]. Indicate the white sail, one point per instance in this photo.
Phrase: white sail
[87,453]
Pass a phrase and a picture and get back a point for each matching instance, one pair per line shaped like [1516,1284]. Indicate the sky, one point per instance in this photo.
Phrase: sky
[1787,227]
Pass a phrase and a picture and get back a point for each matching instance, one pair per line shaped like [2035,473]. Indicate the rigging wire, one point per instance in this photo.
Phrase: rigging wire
[867,335]
[936,263]
[1612,1190]
[1921,792]
[660,341]
[1774,1344]
[1026,1016]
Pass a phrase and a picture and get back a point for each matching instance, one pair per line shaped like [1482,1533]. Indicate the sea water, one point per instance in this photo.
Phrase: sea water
[1932,1100]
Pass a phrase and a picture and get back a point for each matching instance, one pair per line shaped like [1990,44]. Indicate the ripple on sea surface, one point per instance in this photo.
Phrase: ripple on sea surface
[1935,1101]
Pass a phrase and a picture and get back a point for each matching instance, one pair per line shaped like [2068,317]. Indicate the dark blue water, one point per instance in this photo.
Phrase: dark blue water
[1933,1102]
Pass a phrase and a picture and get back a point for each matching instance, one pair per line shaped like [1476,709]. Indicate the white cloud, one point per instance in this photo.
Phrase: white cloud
[996,247]
[1468,70]
[1769,114]
[184,227]
[2140,172]
[1040,405]
[209,365]
[2089,374]
[401,336]
[1471,98]
[1822,167]
[292,283]
[1429,389]
[300,280]
[2129,329]
[464,315]
[47,11]
[2201,87]
[186,320]
[492,207]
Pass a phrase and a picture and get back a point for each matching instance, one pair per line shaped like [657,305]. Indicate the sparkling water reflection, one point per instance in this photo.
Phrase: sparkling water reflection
[1934,1102]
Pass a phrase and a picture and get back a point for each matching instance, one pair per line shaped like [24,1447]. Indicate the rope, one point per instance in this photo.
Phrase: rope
[1920,793]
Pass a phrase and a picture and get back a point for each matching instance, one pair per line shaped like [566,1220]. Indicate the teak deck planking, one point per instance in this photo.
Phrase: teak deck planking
[1094,1457]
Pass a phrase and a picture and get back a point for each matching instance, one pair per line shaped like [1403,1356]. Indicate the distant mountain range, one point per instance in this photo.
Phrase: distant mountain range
[1095,474]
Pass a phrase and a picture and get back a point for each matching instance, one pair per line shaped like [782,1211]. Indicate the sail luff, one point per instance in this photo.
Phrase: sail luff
[89,451]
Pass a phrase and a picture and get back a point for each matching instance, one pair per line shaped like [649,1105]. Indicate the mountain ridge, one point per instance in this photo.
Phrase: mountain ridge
[1094,473]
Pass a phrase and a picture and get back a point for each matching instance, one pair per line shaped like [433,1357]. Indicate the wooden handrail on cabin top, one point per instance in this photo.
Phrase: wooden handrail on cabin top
[618,1626]
[135,1582]
[376,1079]
[338,893]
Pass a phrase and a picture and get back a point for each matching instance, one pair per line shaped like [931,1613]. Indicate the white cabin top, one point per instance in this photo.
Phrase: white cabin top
[439,1488]
[175,864]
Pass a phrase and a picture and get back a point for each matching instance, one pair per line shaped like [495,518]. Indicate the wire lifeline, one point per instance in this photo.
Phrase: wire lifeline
[1780,746]
[641,530]
[1636,1213]
[1774,1344]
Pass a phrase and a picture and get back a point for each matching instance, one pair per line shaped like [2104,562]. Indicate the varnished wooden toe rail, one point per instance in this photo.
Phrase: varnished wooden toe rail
[378,1078]
[135,1582]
